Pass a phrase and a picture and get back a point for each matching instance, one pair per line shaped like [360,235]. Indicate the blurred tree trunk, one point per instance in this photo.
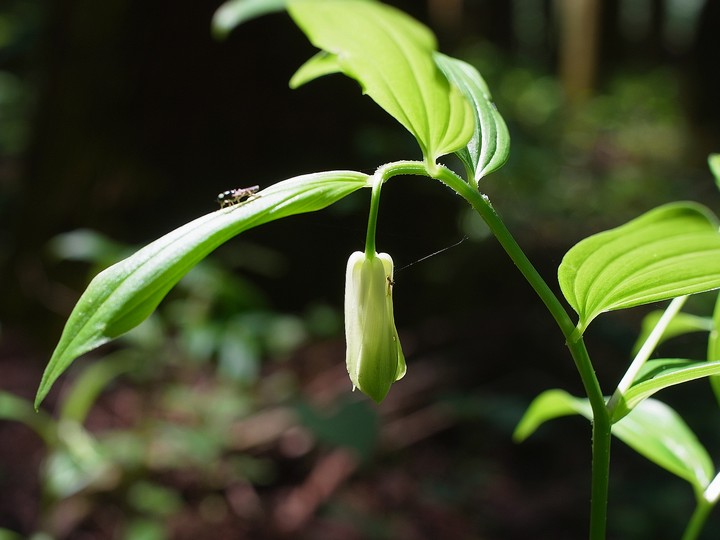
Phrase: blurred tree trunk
[579,30]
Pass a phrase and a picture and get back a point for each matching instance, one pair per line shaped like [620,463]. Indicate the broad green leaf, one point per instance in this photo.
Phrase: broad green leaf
[659,374]
[671,251]
[681,324]
[657,432]
[489,146]
[652,429]
[714,163]
[122,296]
[235,12]
[391,55]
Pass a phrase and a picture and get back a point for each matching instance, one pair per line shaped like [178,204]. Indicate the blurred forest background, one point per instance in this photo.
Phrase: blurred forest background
[229,413]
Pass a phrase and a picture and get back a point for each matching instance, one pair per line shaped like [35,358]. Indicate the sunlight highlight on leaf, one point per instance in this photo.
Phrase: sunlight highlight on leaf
[489,147]
[124,295]
[667,372]
[671,251]
[391,56]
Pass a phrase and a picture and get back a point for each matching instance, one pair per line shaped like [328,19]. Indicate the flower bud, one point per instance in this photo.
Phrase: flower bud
[374,356]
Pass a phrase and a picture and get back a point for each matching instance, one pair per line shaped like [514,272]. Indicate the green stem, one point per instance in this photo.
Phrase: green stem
[372,217]
[698,519]
[645,351]
[601,436]
[382,175]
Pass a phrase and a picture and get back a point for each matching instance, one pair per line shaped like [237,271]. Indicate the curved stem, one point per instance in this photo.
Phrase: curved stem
[601,436]
[372,217]
[698,519]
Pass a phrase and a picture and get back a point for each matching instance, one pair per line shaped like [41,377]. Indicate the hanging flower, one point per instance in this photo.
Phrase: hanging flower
[374,355]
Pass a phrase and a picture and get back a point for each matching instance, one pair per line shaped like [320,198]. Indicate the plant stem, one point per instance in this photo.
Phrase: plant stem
[601,418]
[697,521]
[372,216]
[645,351]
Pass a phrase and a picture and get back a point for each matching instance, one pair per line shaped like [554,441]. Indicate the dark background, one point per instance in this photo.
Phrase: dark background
[126,118]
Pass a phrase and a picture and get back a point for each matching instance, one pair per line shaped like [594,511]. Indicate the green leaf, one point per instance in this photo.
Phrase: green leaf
[660,374]
[652,429]
[318,66]
[681,324]
[670,251]
[657,432]
[122,296]
[547,406]
[235,12]
[391,55]
[714,163]
[489,147]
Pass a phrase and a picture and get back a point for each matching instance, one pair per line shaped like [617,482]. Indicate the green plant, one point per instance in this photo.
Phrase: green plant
[667,253]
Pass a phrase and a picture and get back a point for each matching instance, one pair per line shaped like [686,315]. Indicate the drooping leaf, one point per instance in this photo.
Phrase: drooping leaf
[670,251]
[681,324]
[122,296]
[321,64]
[549,405]
[391,55]
[655,431]
[652,429]
[660,374]
[235,12]
[489,147]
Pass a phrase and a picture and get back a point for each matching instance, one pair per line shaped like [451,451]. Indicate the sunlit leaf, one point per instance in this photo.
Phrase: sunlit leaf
[660,374]
[489,146]
[671,251]
[681,324]
[652,429]
[657,432]
[391,55]
[235,12]
[122,296]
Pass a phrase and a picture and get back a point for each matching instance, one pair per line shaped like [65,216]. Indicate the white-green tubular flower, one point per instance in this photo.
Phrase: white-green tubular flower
[374,355]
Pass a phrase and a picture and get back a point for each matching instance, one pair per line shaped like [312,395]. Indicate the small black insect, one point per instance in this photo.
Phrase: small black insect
[234,196]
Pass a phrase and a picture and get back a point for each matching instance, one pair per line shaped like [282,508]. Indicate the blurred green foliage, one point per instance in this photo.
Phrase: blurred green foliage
[148,139]
[577,169]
